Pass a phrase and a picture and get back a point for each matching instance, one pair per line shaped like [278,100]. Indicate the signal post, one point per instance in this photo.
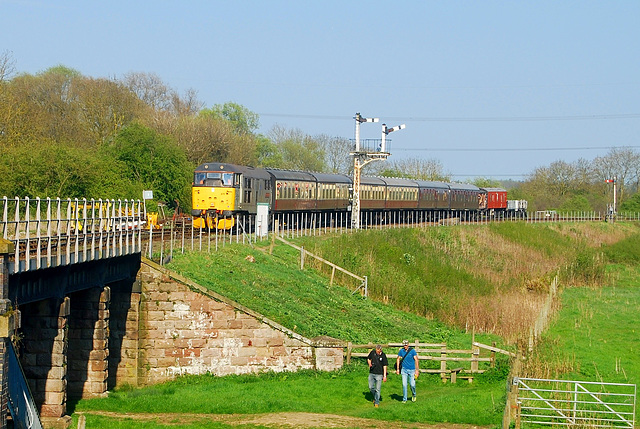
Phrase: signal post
[361,157]
[611,213]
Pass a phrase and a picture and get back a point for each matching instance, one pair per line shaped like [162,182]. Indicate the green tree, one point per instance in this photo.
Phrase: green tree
[154,162]
[298,150]
[388,172]
[268,154]
[576,203]
[631,204]
[243,120]
[483,182]
[48,169]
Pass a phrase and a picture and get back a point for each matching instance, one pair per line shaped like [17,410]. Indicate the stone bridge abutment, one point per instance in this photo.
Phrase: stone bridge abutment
[142,330]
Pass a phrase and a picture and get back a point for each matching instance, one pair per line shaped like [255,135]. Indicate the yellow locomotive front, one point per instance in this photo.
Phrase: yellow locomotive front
[214,197]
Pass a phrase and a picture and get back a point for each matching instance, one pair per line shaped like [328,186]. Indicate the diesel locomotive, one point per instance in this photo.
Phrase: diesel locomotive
[221,191]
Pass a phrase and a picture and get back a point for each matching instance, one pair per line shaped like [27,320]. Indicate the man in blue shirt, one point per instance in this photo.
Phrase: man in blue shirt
[407,365]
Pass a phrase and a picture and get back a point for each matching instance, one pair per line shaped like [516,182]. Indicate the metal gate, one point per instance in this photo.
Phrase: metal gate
[575,403]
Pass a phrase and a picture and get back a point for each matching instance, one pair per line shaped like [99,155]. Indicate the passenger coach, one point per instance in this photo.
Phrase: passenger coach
[221,191]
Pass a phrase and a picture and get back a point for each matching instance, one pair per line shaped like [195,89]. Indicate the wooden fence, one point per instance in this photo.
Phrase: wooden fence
[363,288]
[435,358]
[544,316]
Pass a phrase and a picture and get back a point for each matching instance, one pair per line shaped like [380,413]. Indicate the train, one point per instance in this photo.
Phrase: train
[222,191]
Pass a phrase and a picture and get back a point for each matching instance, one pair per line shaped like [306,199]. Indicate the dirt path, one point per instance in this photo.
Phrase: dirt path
[282,420]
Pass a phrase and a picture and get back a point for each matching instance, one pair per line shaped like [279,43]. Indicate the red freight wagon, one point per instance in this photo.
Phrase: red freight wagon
[496,198]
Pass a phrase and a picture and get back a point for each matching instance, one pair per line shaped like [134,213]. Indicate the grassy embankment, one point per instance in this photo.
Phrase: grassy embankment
[400,263]
[596,334]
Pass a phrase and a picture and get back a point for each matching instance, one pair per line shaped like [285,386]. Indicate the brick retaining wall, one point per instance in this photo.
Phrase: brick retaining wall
[185,328]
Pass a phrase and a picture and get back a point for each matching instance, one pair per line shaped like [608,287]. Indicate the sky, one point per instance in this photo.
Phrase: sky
[491,89]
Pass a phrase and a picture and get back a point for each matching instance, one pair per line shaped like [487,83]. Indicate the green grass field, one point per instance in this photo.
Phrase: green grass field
[596,333]
[344,392]
[594,336]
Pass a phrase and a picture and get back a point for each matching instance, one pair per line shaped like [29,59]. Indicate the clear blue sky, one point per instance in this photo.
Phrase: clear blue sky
[488,88]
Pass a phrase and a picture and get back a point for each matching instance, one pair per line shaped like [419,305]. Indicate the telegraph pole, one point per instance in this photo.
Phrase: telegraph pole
[363,156]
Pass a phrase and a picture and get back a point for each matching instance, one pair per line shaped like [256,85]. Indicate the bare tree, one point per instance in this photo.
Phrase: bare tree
[621,163]
[336,151]
[7,66]
[105,107]
[187,105]
[411,168]
[149,88]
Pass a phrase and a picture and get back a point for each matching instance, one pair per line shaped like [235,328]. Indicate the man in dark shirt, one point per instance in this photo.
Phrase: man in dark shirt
[377,361]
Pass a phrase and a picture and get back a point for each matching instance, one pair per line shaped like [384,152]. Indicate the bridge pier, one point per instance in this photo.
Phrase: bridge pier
[43,349]
[89,343]
[124,324]
[65,350]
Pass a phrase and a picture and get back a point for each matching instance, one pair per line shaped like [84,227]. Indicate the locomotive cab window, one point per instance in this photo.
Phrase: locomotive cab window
[213,179]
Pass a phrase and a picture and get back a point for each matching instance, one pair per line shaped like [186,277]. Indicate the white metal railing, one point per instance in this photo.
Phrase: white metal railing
[575,403]
[54,232]
[180,235]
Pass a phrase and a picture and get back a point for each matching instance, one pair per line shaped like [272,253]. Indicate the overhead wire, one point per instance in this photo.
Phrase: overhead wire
[468,119]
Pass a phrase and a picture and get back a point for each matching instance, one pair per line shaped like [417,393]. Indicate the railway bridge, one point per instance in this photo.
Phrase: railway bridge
[82,311]
[60,260]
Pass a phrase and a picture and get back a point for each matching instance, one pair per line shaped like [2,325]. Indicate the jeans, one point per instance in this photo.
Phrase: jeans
[375,382]
[410,374]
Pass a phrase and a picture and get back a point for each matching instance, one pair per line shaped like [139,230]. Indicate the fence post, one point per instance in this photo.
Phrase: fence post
[349,346]
[443,364]
[475,355]
[493,356]
[273,236]
[302,257]
[366,287]
[511,406]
